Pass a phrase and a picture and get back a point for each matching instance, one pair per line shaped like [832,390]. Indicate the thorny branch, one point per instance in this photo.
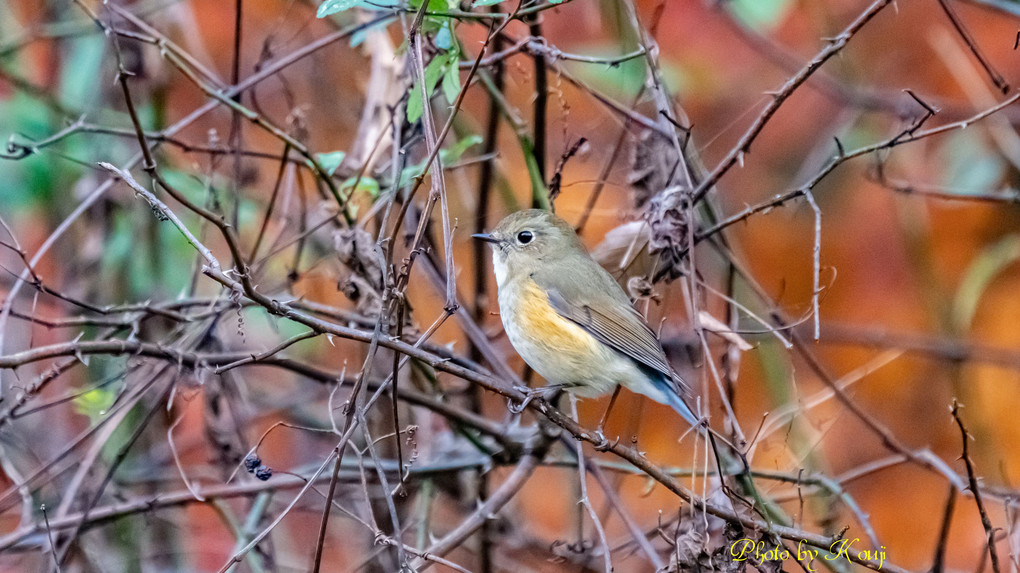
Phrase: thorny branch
[448,419]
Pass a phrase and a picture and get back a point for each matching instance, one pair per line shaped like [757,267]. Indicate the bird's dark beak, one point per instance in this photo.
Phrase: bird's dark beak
[486,237]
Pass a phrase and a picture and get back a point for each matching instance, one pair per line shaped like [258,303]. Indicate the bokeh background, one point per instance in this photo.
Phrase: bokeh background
[918,271]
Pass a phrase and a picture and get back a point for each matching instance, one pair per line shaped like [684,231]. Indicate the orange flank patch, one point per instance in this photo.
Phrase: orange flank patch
[551,330]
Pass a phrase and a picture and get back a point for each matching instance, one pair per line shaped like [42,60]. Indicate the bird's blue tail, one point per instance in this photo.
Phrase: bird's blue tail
[668,392]
[678,404]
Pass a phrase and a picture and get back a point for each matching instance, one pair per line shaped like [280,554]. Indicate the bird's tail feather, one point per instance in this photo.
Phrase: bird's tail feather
[678,404]
[666,393]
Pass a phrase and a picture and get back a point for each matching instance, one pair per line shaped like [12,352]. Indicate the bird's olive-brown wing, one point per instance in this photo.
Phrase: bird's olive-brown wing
[594,301]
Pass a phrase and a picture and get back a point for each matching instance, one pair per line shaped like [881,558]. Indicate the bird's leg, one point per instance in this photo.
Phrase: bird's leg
[518,408]
[605,418]
[530,394]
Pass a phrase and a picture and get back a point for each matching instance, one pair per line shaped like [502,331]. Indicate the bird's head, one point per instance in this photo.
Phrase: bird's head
[526,239]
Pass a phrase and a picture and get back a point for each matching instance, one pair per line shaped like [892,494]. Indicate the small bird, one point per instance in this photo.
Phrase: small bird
[568,318]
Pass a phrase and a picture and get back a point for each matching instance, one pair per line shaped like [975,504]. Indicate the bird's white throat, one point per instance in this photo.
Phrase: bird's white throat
[499,267]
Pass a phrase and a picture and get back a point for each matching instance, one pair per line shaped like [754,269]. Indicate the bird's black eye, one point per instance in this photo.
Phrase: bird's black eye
[525,237]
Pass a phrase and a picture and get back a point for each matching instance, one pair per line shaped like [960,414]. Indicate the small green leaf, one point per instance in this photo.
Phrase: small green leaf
[365,185]
[444,36]
[414,103]
[622,79]
[334,6]
[331,161]
[434,6]
[433,72]
[95,403]
[485,3]
[761,13]
[407,174]
[453,154]
[451,80]
[446,157]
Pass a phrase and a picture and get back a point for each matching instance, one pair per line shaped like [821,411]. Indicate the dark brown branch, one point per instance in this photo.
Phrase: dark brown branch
[972,482]
[539,105]
[993,74]
[939,561]
[744,145]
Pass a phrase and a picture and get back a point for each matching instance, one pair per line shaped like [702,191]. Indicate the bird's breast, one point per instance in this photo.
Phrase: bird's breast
[557,348]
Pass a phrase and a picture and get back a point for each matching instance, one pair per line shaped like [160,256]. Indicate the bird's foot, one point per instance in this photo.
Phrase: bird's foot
[518,408]
[529,395]
[603,444]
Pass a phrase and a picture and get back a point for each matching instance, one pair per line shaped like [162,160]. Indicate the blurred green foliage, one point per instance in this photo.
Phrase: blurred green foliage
[972,166]
[761,14]
[989,264]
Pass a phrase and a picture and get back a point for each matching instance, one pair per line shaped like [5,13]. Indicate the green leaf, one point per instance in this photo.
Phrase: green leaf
[622,79]
[765,14]
[485,3]
[334,6]
[414,99]
[433,71]
[434,6]
[446,157]
[453,154]
[444,36]
[451,80]
[95,403]
[331,161]
[365,185]
[414,103]
[407,174]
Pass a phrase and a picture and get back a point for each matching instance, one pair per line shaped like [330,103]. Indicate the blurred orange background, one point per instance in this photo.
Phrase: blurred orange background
[899,271]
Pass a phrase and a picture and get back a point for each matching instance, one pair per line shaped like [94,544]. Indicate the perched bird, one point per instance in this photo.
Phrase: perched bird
[568,318]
